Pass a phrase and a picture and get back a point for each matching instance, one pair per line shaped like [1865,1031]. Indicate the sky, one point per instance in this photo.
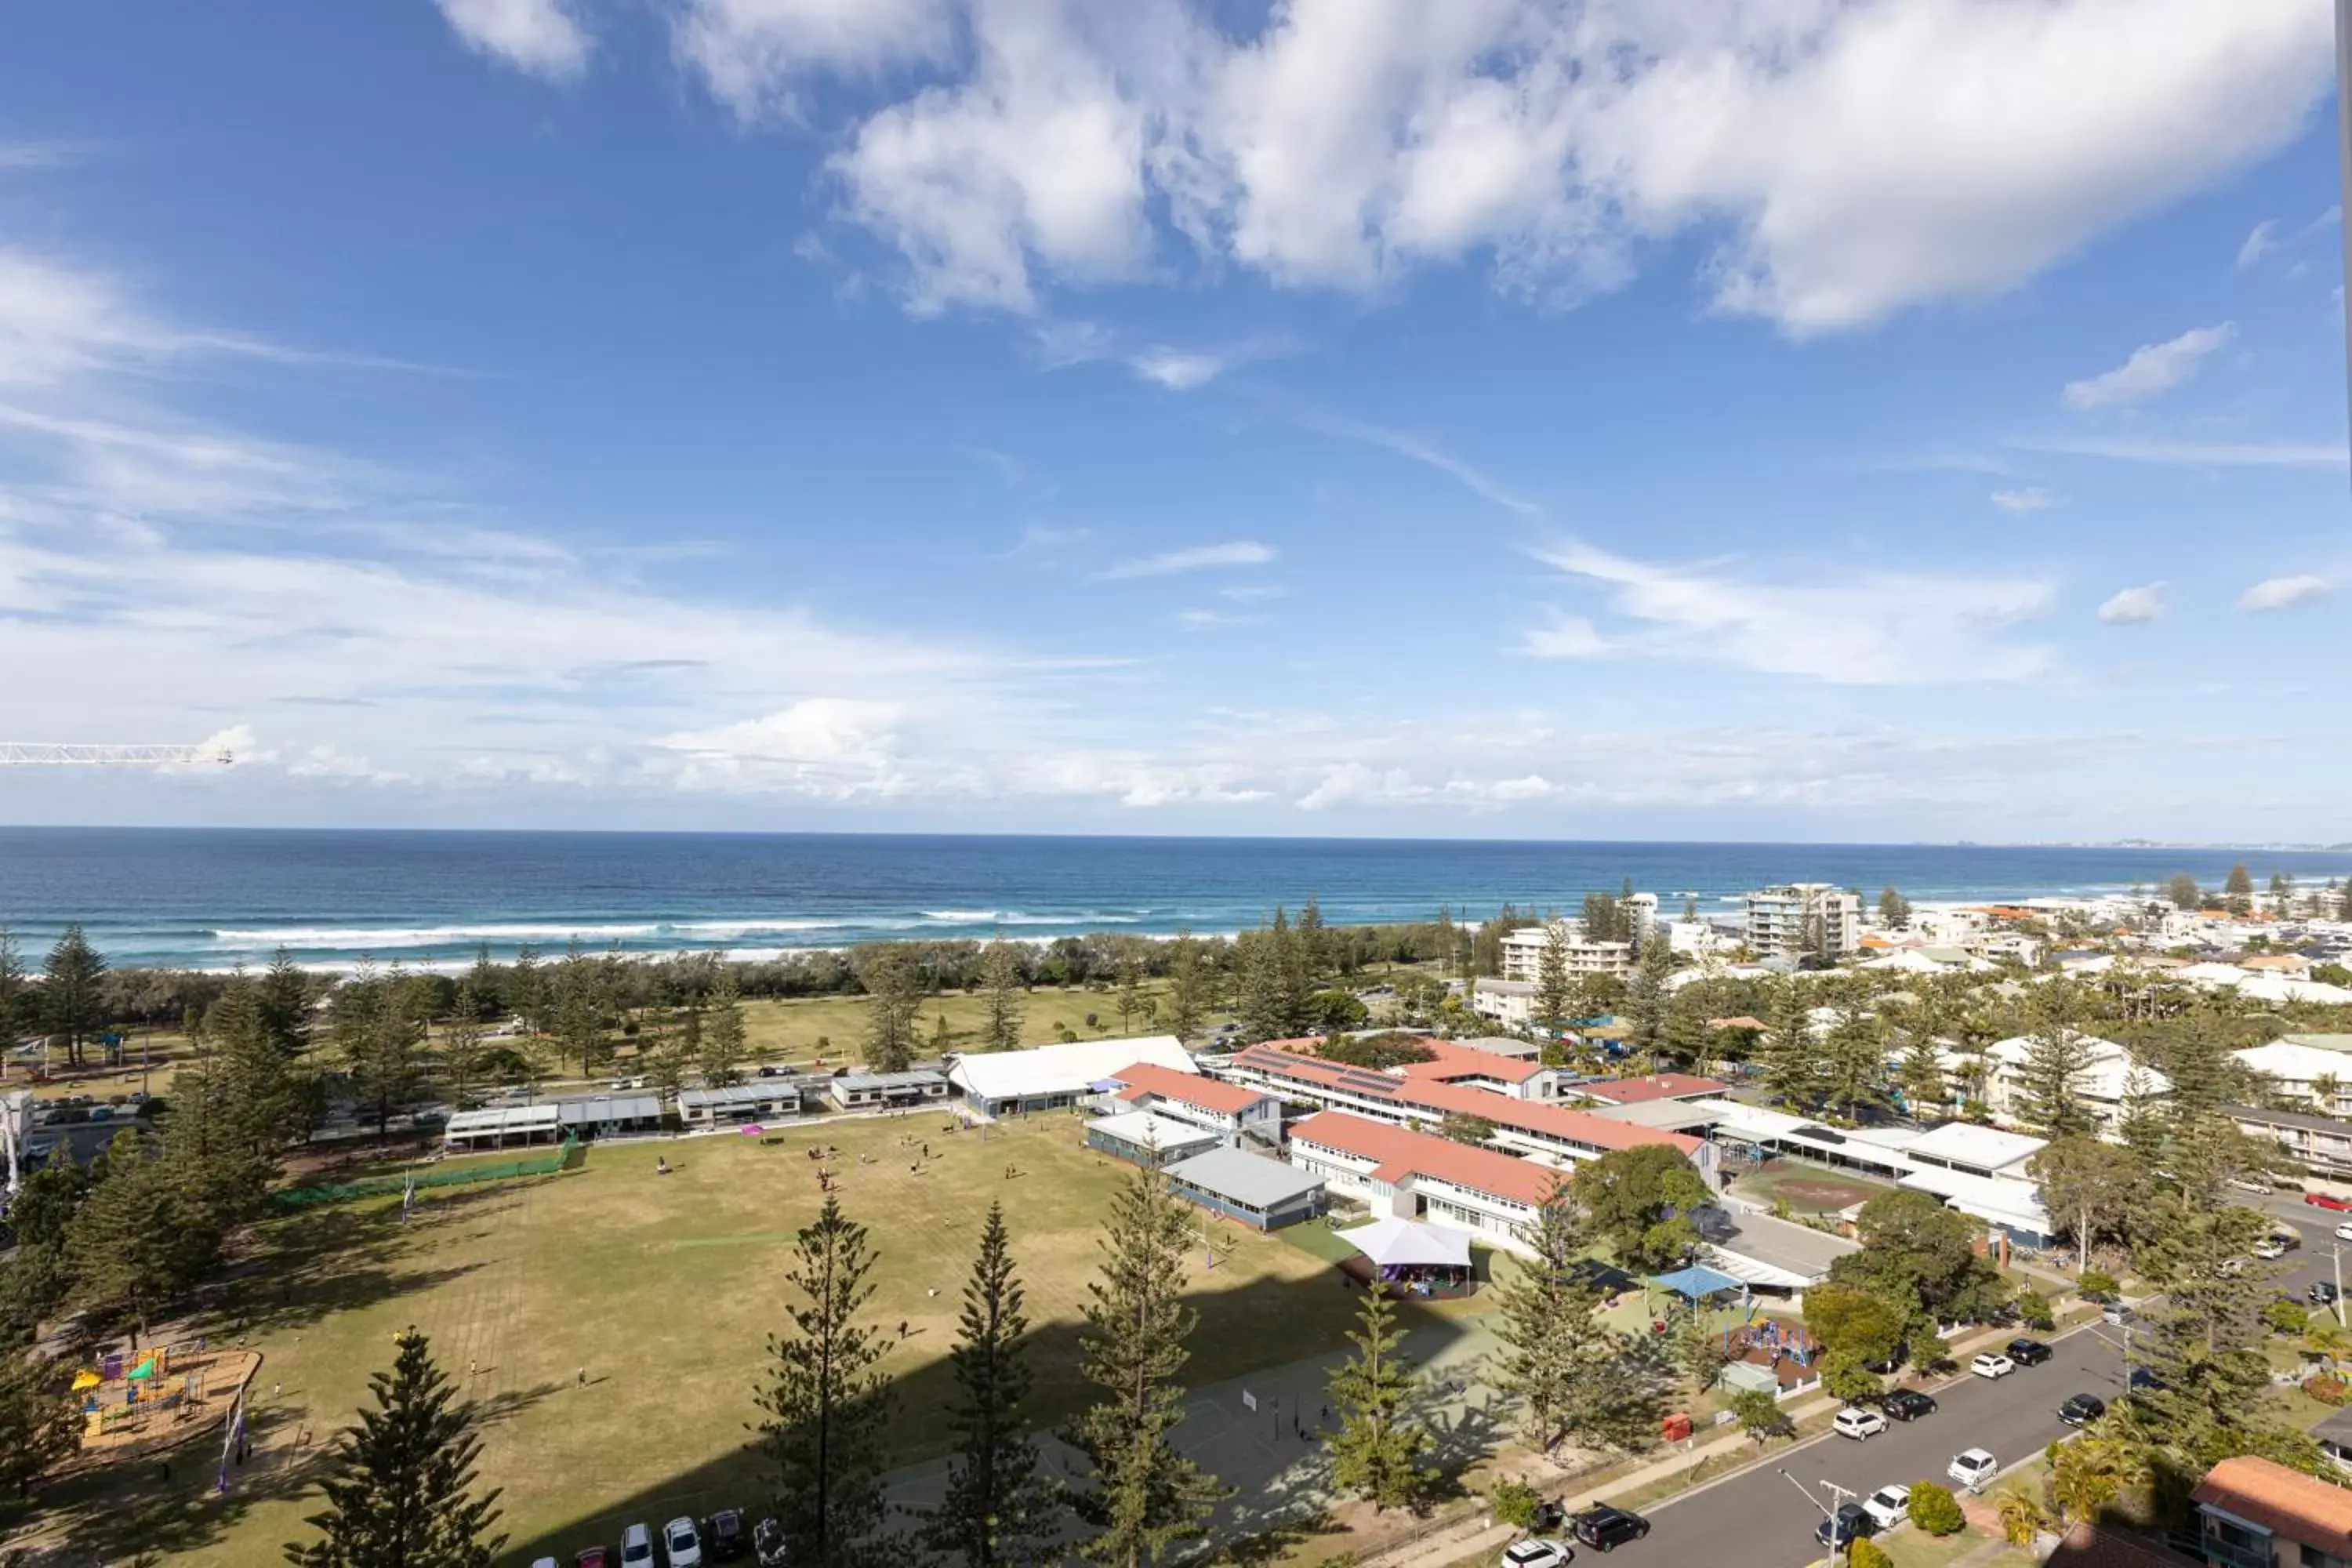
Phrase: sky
[1886,419]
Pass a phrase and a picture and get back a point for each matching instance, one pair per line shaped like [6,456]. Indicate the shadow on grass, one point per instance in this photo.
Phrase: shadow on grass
[1280,1484]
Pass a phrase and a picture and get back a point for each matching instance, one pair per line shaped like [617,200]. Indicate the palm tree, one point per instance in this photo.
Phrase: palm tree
[2326,1089]
[2021,1518]
[2086,1475]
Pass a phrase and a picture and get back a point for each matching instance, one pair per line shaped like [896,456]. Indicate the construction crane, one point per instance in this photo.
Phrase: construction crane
[71,754]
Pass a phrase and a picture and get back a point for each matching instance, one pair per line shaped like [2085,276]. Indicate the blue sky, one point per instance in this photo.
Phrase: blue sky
[1920,418]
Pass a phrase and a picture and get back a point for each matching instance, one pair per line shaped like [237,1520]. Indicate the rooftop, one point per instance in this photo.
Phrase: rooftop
[1401,1152]
[1987,1148]
[1066,1069]
[1150,1130]
[1149,1078]
[2299,1119]
[2286,1502]
[1253,1179]
[1658,1086]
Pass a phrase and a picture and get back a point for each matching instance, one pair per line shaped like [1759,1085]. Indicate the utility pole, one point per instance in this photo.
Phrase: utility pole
[2336,1263]
[1838,1495]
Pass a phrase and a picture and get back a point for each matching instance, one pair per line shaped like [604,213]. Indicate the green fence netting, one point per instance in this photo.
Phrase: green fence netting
[546,1164]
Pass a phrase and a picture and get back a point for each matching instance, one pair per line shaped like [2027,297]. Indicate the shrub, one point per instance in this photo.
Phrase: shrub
[1760,1416]
[2326,1387]
[1515,1504]
[1863,1553]
[2096,1282]
[2034,1308]
[1934,1510]
[2285,1316]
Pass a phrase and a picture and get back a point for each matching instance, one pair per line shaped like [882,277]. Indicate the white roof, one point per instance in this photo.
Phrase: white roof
[1995,1198]
[1062,1070]
[2295,1063]
[2286,988]
[502,1119]
[1150,1130]
[1988,1148]
[1403,1243]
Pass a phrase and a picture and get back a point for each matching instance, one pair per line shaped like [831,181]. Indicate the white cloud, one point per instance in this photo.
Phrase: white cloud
[2024,498]
[1860,159]
[2152,370]
[2134,607]
[538,37]
[1562,636]
[2283,592]
[1176,370]
[2258,244]
[2196,454]
[1195,558]
[1847,628]
[1420,449]
[756,55]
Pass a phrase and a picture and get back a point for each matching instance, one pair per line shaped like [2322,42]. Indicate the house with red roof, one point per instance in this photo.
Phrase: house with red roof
[1654,1086]
[1417,1175]
[1231,1110]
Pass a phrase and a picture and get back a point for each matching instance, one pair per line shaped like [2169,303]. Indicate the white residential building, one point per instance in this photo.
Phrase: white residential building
[2108,1078]
[2319,1076]
[1523,951]
[1803,917]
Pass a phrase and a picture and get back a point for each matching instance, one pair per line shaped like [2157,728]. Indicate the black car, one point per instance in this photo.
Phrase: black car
[2028,1352]
[1606,1529]
[1892,1364]
[1907,1404]
[723,1540]
[2142,1378]
[2322,1293]
[1851,1523]
[767,1540]
[2082,1409]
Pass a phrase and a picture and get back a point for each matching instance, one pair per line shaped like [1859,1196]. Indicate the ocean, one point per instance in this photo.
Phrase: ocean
[214,897]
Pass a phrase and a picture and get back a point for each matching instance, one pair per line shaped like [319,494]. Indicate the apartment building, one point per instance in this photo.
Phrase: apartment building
[1523,951]
[1802,917]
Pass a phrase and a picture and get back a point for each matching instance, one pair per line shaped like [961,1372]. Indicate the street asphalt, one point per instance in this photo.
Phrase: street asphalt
[1760,1518]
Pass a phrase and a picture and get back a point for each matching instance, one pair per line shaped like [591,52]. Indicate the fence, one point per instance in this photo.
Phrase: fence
[546,1164]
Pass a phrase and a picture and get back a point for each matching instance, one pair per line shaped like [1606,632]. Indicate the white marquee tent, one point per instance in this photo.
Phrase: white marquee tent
[1401,1244]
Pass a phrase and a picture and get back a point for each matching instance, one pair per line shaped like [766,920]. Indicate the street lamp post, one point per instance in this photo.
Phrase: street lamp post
[1838,1495]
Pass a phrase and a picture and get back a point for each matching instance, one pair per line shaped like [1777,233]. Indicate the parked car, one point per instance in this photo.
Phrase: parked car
[1891,1365]
[2323,1293]
[726,1542]
[1907,1404]
[637,1546]
[2082,1409]
[2327,1201]
[1606,1529]
[1973,1468]
[2142,1378]
[1990,1365]
[545,1562]
[2027,1353]
[2344,1230]
[1858,1423]
[767,1543]
[682,1543]
[1849,1523]
[2119,1316]
[2276,1244]
[1537,1555]
[590,1557]
[1888,1506]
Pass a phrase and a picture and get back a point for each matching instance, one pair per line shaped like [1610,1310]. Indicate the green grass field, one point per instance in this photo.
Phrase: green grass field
[663,1290]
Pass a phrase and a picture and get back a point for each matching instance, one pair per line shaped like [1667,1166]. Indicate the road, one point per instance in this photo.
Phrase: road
[1758,1517]
[2313,1260]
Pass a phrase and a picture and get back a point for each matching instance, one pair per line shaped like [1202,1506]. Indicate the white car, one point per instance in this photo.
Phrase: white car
[681,1544]
[1858,1424]
[637,1547]
[2344,1231]
[2270,1248]
[1972,1469]
[1536,1555]
[1890,1506]
[1992,1366]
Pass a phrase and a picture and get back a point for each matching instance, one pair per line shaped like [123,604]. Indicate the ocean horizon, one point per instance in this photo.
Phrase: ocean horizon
[215,897]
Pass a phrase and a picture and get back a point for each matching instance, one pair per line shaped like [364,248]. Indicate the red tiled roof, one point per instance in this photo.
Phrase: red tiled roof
[2286,1502]
[1658,1086]
[1272,1057]
[1185,1088]
[1534,1116]
[1467,1061]
[1401,1152]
